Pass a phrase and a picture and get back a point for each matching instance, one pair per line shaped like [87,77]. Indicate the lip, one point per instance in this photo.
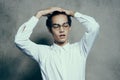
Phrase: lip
[62,35]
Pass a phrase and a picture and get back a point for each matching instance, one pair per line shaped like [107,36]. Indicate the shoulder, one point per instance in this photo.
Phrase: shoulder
[43,47]
[75,45]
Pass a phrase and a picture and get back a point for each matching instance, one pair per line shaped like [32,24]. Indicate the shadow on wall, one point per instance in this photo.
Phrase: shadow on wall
[44,40]
[21,67]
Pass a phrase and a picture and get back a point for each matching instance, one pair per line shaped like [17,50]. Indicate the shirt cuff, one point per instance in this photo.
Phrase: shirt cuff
[32,22]
[33,19]
[77,14]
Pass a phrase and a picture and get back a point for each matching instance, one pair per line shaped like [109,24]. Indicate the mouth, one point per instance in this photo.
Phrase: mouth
[62,36]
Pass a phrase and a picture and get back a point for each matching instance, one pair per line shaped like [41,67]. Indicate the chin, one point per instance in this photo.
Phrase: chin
[62,41]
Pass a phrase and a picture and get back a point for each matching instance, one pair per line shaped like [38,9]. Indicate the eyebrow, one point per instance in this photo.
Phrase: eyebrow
[59,24]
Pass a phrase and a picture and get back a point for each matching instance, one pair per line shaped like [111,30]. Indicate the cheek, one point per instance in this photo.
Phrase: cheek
[54,33]
[68,30]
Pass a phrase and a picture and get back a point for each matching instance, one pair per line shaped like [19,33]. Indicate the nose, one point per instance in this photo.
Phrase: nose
[61,29]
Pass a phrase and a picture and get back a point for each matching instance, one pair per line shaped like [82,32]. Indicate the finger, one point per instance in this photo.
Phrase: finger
[56,9]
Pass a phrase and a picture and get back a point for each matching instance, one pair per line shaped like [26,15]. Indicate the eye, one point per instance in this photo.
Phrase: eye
[55,26]
[66,25]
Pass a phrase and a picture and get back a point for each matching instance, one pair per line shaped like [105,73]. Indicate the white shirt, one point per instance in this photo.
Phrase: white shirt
[56,62]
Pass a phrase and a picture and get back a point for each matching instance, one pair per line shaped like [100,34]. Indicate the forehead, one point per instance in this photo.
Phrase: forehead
[59,19]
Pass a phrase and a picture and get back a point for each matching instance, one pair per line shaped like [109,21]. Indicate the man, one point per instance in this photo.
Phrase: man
[62,60]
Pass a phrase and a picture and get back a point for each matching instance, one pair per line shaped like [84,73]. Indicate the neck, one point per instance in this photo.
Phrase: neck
[61,43]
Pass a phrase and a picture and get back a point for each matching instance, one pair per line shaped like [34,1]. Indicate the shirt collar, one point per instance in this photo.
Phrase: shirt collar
[65,47]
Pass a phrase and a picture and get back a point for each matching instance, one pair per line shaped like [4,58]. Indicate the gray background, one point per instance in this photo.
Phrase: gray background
[103,63]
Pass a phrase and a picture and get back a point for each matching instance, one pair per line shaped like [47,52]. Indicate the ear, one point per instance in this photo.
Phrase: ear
[50,31]
[70,28]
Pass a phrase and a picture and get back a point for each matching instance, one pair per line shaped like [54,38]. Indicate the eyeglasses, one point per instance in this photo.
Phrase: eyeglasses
[58,26]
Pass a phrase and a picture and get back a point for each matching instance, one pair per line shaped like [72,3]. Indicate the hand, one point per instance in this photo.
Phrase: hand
[47,11]
[69,12]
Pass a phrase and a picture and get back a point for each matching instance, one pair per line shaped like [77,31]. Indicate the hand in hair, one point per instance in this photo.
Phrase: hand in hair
[69,12]
[47,11]
[50,10]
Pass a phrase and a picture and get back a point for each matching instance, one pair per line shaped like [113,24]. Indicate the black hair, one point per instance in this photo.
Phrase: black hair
[49,19]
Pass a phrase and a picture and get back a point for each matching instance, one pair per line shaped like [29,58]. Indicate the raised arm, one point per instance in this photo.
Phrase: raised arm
[92,29]
[22,37]
[26,29]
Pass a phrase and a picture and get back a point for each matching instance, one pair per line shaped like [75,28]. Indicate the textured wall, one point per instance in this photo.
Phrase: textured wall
[103,63]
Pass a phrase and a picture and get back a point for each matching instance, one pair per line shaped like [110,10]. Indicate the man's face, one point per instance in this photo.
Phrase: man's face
[60,29]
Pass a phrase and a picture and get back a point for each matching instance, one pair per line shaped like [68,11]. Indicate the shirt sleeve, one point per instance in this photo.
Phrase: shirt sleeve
[92,29]
[22,40]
